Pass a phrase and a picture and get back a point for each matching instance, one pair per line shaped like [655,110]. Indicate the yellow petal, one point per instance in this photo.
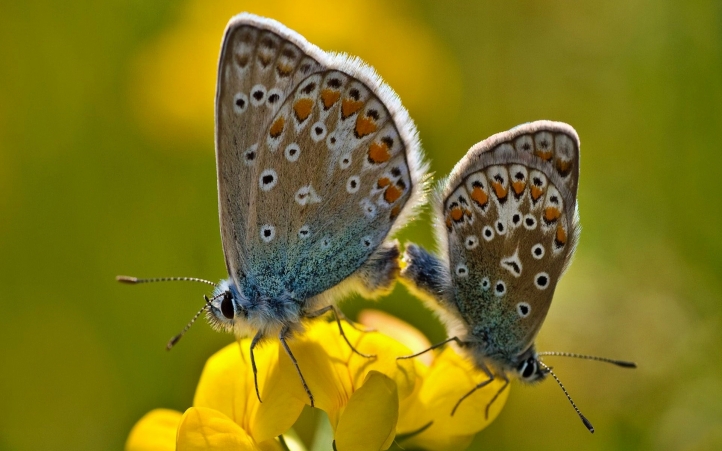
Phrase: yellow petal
[321,361]
[399,330]
[450,377]
[226,385]
[369,421]
[333,371]
[208,429]
[156,431]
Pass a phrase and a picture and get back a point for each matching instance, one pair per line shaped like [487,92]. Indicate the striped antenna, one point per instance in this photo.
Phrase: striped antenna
[172,342]
[584,419]
[621,363]
[134,280]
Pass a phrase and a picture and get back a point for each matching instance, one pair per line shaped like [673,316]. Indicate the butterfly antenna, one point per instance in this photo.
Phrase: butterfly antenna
[583,418]
[172,342]
[621,363]
[134,280]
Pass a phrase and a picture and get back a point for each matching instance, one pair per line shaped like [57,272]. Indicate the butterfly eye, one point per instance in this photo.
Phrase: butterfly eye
[529,369]
[227,307]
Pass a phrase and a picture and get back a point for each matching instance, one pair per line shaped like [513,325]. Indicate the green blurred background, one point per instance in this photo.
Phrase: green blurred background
[107,167]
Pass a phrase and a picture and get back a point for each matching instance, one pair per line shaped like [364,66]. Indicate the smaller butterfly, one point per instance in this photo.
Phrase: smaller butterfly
[507,226]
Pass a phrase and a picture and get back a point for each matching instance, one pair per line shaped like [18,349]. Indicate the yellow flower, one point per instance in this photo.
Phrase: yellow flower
[226,413]
[360,395]
[369,402]
[425,419]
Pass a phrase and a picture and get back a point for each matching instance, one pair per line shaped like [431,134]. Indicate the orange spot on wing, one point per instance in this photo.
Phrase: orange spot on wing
[364,126]
[395,212]
[384,182]
[561,236]
[518,187]
[479,196]
[448,223]
[302,108]
[545,155]
[457,213]
[379,153]
[499,190]
[329,97]
[536,192]
[392,194]
[277,127]
[551,214]
[349,107]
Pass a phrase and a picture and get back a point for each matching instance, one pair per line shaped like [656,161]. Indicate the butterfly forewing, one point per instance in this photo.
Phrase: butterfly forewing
[509,221]
[258,69]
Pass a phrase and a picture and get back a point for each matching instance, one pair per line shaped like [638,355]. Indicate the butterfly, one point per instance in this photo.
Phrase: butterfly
[507,225]
[318,164]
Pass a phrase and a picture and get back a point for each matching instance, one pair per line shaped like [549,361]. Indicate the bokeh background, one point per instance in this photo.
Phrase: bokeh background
[107,167]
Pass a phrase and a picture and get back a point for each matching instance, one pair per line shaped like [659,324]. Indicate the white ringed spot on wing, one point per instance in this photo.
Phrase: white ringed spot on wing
[250,155]
[304,232]
[541,280]
[267,180]
[499,288]
[523,309]
[318,131]
[462,270]
[530,222]
[292,152]
[240,102]
[471,242]
[537,251]
[332,141]
[268,233]
[273,97]
[488,233]
[485,284]
[353,184]
[258,95]
[345,161]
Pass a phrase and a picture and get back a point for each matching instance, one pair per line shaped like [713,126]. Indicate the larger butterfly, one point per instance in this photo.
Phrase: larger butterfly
[507,227]
[318,164]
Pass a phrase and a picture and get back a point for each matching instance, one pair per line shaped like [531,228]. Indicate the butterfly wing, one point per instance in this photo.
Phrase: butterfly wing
[507,229]
[312,184]
[510,228]
[261,62]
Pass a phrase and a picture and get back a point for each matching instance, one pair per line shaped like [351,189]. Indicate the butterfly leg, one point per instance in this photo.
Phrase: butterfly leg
[506,383]
[254,342]
[482,384]
[351,323]
[437,345]
[338,315]
[282,337]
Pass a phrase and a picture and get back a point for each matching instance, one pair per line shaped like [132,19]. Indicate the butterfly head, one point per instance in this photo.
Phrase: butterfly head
[225,310]
[528,369]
